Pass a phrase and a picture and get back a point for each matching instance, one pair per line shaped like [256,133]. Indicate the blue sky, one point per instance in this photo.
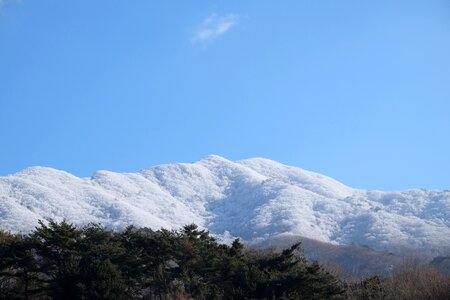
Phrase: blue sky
[357,90]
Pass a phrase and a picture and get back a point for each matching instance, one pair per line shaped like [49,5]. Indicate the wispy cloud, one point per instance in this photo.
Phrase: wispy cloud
[214,26]
[4,3]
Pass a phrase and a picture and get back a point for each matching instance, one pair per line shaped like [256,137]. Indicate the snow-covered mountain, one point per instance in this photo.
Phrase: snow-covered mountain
[253,199]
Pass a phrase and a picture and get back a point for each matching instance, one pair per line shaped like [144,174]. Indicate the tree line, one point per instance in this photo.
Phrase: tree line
[62,261]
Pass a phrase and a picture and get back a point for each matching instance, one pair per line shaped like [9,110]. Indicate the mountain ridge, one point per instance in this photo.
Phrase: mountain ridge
[253,199]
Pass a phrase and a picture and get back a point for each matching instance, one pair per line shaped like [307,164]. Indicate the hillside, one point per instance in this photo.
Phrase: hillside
[253,199]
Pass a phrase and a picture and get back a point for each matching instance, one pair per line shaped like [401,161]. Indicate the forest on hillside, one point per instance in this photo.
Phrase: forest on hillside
[62,261]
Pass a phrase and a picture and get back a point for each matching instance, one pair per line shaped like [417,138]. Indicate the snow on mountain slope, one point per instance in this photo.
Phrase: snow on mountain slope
[252,199]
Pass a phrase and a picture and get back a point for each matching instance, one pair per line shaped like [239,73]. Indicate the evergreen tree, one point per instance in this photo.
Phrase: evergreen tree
[61,261]
[101,252]
[58,250]
[101,279]
[18,267]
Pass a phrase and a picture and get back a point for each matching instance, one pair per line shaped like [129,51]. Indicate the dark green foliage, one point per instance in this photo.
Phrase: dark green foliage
[57,248]
[101,252]
[18,267]
[101,279]
[61,261]
[285,275]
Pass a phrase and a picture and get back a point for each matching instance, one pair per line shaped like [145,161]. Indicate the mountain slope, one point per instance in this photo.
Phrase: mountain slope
[252,199]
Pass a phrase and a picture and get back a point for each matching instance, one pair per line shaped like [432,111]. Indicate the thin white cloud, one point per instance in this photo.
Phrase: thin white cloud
[214,26]
[4,3]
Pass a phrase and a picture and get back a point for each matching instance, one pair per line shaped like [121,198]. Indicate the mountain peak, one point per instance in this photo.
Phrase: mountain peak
[40,171]
[253,199]
[212,158]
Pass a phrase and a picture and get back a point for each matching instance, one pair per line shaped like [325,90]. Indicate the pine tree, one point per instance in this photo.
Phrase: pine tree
[57,248]
[101,252]
[18,267]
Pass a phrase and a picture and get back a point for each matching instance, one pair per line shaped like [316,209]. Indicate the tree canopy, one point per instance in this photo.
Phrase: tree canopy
[62,261]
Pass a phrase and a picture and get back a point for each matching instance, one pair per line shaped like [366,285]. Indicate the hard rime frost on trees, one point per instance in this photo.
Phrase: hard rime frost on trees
[300,203]
[61,261]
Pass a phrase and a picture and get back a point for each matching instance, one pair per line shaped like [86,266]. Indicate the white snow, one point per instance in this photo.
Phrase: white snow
[252,199]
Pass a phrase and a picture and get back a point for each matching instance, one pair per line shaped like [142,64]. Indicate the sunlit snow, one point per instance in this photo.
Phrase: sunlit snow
[252,199]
